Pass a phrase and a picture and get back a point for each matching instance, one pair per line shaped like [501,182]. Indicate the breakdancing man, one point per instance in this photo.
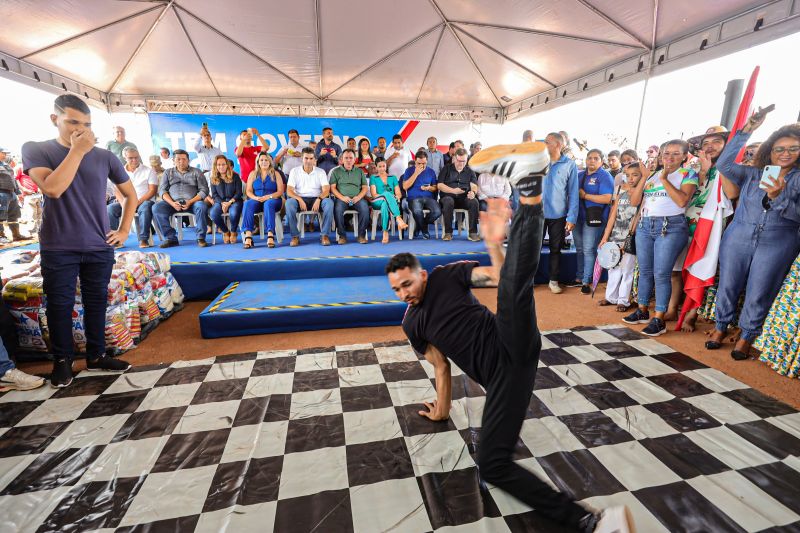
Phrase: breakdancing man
[501,352]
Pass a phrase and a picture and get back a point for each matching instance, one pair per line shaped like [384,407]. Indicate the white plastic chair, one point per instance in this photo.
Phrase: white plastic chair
[175,222]
[301,215]
[412,224]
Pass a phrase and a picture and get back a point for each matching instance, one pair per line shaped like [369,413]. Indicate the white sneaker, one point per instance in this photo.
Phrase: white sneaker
[18,380]
[615,520]
[555,288]
[512,161]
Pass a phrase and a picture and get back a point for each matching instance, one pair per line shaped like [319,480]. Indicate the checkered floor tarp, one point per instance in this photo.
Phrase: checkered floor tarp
[329,440]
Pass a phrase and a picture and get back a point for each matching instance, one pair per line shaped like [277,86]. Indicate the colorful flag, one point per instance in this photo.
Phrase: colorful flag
[700,266]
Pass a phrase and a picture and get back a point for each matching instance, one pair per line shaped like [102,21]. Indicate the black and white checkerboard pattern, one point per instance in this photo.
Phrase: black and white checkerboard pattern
[330,440]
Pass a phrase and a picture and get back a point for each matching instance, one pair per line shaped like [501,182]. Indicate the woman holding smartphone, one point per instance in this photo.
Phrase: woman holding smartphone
[764,237]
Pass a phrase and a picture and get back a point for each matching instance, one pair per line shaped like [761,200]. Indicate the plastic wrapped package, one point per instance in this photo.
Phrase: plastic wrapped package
[23,289]
[148,308]
[129,258]
[139,275]
[78,329]
[133,318]
[31,326]
[19,257]
[118,336]
[164,301]
[160,260]
[116,291]
[175,290]
[158,280]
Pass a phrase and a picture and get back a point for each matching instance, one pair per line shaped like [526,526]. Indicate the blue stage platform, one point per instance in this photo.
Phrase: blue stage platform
[294,289]
[254,307]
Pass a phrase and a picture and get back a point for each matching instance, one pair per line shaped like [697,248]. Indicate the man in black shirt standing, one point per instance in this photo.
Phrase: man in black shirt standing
[458,189]
[501,352]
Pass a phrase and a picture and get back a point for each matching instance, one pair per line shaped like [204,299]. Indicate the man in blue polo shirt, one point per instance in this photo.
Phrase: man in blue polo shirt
[75,239]
[560,199]
[419,184]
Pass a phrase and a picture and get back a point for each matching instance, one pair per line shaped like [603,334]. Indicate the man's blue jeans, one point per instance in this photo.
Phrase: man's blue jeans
[6,364]
[586,240]
[339,207]
[144,218]
[162,211]
[60,271]
[659,241]
[234,214]
[422,221]
[293,207]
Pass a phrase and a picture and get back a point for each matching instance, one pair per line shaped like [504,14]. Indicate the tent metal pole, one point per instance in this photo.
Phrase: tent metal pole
[466,52]
[386,57]
[318,30]
[88,32]
[199,58]
[613,22]
[647,77]
[501,54]
[139,48]
[430,64]
[547,34]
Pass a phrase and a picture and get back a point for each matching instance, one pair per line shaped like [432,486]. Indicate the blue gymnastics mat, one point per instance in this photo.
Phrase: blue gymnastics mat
[255,307]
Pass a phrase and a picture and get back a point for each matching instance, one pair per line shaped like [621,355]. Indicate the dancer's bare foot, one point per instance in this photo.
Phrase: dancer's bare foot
[671,315]
[689,321]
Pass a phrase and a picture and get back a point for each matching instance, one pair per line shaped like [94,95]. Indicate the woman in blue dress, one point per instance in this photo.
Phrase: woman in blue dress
[265,188]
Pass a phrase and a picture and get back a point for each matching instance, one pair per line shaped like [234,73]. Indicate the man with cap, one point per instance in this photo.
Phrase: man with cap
[707,148]
[9,206]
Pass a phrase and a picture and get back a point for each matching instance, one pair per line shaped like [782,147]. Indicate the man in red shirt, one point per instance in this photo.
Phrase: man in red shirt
[247,153]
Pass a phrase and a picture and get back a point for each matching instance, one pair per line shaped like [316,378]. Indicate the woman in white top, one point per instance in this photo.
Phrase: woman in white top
[662,232]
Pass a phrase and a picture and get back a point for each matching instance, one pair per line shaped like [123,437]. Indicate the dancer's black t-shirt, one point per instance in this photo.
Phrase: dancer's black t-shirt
[455,322]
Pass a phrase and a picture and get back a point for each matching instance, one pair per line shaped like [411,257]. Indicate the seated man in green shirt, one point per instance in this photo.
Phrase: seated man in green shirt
[349,187]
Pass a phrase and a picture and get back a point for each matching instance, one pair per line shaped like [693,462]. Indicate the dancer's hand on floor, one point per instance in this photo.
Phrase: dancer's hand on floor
[433,412]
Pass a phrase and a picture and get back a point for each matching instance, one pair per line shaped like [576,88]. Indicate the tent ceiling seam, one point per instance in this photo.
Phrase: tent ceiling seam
[89,32]
[386,57]
[464,49]
[504,56]
[141,45]
[611,21]
[200,59]
[430,64]
[246,50]
[549,34]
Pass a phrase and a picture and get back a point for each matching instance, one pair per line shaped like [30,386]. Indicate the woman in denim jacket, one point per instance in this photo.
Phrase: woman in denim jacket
[764,238]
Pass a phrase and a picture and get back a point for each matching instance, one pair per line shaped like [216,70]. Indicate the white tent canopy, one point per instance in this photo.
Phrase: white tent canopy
[479,60]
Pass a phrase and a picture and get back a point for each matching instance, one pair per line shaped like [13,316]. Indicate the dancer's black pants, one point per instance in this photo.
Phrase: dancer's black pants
[509,389]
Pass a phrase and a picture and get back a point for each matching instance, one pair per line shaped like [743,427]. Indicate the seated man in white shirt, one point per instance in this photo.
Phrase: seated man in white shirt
[308,190]
[145,182]
[397,158]
[492,186]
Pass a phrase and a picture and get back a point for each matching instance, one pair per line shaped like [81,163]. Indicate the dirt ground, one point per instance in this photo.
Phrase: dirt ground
[179,338]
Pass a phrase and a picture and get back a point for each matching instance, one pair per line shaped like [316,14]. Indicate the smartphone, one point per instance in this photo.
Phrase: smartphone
[770,176]
[761,113]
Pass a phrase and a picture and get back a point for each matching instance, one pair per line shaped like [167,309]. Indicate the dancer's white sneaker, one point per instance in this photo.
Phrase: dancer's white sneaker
[615,520]
[512,161]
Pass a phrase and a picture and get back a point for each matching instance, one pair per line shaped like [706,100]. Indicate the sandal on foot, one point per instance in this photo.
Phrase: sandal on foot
[623,308]
[739,355]
[270,241]
[248,242]
[604,302]
[713,345]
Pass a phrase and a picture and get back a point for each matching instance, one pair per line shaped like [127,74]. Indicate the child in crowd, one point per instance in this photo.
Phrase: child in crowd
[620,223]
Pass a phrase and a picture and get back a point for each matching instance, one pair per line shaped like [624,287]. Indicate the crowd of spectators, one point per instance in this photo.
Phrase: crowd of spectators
[648,208]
